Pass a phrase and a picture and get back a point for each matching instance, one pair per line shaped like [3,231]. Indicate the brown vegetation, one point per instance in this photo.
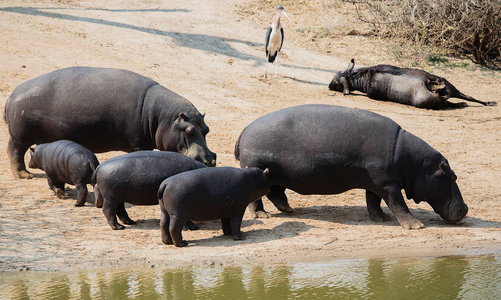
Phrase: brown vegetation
[460,28]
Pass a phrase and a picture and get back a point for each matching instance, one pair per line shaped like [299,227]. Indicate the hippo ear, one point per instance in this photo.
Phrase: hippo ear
[32,149]
[266,172]
[443,166]
[182,116]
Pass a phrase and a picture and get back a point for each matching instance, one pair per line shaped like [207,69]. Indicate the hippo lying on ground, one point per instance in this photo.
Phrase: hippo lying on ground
[135,178]
[206,195]
[65,162]
[407,86]
[102,110]
[324,149]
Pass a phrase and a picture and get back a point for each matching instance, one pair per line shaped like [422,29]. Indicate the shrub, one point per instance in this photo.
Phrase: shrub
[461,28]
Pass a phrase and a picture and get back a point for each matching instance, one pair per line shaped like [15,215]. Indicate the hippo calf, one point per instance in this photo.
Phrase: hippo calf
[103,110]
[324,149]
[206,195]
[407,86]
[135,178]
[65,162]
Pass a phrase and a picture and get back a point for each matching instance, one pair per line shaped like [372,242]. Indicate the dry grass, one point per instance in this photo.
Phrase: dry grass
[462,28]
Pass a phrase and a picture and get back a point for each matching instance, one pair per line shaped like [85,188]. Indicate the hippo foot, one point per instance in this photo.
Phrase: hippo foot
[59,193]
[99,204]
[239,238]
[182,244]
[118,227]
[191,226]
[491,103]
[23,174]
[260,214]
[285,209]
[411,223]
[129,222]
[78,203]
[380,217]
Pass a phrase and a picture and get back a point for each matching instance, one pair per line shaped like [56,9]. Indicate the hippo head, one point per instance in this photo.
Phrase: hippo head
[437,186]
[340,82]
[187,136]
[35,162]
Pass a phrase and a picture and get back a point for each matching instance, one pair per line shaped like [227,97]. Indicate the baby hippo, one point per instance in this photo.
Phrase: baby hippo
[135,178]
[209,194]
[65,162]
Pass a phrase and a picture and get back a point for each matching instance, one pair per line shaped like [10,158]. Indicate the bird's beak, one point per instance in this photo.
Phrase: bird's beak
[283,11]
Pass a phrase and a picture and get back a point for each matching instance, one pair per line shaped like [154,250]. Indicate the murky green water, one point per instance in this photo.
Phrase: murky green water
[437,278]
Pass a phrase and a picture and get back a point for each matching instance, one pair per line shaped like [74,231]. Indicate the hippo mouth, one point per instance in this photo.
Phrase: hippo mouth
[456,209]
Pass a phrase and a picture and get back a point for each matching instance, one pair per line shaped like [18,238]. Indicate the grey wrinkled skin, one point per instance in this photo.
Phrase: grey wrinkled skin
[65,162]
[135,178]
[103,110]
[209,194]
[324,149]
[407,86]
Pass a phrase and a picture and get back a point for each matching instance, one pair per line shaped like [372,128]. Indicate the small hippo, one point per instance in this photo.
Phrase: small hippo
[209,194]
[326,149]
[134,178]
[65,162]
[403,85]
[102,109]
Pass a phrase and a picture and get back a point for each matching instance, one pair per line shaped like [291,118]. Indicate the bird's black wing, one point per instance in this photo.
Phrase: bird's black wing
[267,40]
[283,37]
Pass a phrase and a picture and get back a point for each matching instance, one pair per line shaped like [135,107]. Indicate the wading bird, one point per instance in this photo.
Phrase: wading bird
[274,40]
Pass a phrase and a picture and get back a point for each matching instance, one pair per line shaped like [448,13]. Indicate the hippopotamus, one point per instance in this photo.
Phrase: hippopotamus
[407,86]
[65,162]
[325,149]
[209,194]
[103,110]
[135,178]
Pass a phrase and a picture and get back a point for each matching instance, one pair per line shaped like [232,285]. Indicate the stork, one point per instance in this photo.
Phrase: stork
[274,40]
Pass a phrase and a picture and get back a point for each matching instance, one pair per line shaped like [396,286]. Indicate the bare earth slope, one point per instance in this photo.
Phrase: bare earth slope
[212,52]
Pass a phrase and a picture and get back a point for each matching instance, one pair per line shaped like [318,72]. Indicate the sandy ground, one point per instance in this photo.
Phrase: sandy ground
[212,53]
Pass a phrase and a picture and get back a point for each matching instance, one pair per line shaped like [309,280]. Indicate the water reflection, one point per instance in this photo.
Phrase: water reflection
[437,278]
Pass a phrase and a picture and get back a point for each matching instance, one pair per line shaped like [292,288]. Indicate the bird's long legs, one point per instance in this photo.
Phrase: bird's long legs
[276,65]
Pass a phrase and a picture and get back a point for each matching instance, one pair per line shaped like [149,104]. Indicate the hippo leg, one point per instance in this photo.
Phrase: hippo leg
[374,207]
[98,196]
[226,226]
[279,199]
[236,223]
[123,216]
[449,104]
[164,228]
[191,226]
[57,187]
[397,205]
[110,212]
[175,227]
[81,194]
[256,209]
[15,152]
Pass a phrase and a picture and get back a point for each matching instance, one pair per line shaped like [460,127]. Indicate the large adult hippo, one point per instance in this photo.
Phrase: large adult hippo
[324,149]
[403,85]
[103,110]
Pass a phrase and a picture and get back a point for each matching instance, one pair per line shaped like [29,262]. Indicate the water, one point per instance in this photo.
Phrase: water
[436,278]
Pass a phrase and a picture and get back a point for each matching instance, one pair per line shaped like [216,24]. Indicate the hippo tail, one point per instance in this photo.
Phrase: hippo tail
[237,148]
[160,192]
[93,179]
